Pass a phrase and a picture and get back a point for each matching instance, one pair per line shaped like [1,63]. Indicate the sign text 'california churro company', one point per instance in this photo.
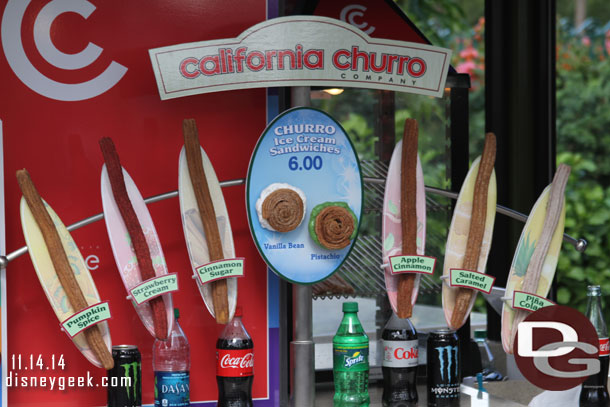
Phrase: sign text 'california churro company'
[300,51]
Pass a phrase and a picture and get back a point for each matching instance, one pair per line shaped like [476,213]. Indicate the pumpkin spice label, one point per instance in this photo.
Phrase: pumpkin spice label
[86,318]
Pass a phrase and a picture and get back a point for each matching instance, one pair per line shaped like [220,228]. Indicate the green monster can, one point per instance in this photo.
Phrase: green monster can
[351,360]
[125,378]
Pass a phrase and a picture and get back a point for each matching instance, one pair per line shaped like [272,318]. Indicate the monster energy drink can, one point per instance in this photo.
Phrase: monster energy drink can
[443,360]
[125,378]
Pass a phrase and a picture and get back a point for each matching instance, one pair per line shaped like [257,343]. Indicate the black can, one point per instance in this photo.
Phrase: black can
[125,378]
[443,359]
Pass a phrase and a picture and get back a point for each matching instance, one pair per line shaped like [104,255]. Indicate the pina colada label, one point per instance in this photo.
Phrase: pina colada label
[529,302]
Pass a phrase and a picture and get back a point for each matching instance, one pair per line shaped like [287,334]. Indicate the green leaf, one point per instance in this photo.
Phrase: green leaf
[524,256]
[563,295]
[577,274]
[392,208]
[388,242]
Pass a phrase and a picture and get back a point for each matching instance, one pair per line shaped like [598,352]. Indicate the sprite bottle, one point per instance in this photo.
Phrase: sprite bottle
[351,360]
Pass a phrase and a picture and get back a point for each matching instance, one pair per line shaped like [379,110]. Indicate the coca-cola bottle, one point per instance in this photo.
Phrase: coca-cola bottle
[400,355]
[235,364]
[594,391]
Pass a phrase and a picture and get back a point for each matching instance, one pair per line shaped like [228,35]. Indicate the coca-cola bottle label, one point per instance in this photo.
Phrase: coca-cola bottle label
[234,362]
[400,353]
[604,347]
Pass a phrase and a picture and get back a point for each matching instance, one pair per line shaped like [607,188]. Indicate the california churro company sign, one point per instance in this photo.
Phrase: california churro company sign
[300,51]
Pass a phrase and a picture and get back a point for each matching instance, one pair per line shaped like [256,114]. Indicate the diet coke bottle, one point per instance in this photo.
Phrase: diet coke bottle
[594,391]
[400,353]
[235,364]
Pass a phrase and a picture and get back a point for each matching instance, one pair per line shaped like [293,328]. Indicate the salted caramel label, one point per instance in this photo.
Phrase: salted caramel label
[471,279]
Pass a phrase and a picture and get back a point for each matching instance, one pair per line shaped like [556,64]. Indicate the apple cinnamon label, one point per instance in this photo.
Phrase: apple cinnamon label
[154,287]
[529,302]
[471,279]
[221,269]
[412,264]
[86,318]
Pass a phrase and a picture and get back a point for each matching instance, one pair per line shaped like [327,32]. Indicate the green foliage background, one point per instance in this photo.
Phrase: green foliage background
[583,142]
[583,125]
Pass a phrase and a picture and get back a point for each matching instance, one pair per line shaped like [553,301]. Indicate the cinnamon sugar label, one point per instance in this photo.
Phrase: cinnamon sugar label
[221,269]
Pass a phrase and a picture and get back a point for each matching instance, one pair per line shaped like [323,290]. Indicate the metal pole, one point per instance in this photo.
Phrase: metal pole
[579,244]
[303,377]
[302,346]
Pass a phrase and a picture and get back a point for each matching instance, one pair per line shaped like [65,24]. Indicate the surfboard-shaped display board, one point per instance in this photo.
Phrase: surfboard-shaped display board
[304,195]
[391,230]
[525,248]
[123,251]
[47,275]
[458,237]
[196,241]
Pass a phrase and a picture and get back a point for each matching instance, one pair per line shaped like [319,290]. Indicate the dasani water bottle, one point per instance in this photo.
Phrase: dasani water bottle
[171,364]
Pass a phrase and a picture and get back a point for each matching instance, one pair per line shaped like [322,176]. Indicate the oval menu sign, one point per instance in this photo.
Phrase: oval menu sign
[304,195]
